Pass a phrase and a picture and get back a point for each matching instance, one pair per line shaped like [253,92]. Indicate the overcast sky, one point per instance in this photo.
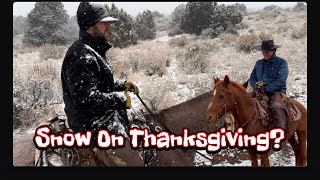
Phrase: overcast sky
[133,8]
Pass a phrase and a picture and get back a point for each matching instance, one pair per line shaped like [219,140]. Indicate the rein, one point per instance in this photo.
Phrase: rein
[155,129]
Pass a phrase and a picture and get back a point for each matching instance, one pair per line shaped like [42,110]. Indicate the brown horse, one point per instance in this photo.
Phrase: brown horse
[189,114]
[231,96]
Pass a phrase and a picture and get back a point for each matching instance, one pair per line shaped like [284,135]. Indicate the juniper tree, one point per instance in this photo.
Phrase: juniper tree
[122,32]
[145,25]
[197,17]
[43,22]
[19,24]
[176,20]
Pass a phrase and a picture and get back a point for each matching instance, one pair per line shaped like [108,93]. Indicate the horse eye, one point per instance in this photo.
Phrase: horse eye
[221,96]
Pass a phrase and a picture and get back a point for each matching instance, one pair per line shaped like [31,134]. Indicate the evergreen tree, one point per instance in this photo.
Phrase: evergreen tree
[145,25]
[197,17]
[44,21]
[176,20]
[300,6]
[70,31]
[157,14]
[225,17]
[122,32]
[19,24]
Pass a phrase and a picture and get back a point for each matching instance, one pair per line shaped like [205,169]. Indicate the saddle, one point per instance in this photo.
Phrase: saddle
[264,113]
[83,156]
[64,156]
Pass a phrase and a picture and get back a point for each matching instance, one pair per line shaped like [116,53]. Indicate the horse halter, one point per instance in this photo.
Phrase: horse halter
[224,107]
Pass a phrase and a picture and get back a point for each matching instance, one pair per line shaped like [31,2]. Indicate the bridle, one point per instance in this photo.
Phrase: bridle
[158,129]
[224,107]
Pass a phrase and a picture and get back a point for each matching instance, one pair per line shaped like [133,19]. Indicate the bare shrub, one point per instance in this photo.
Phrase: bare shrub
[154,68]
[299,33]
[246,43]
[200,84]
[244,25]
[283,20]
[265,36]
[154,92]
[135,65]
[228,38]
[44,70]
[213,32]
[51,51]
[30,97]
[300,6]
[152,62]
[178,42]
[283,28]
[270,14]
[19,47]
[194,59]
[144,57]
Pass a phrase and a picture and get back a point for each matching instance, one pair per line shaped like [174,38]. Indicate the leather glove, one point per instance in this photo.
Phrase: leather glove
[261,84]
[129,86]
[128,100]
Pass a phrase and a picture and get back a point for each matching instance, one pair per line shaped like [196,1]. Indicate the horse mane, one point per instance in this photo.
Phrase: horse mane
[235,84]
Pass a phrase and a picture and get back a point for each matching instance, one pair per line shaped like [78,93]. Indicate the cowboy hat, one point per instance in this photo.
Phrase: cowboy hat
[267,45]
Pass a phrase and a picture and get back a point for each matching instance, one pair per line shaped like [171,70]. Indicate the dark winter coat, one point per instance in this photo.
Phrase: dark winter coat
[274,72]
[91,102]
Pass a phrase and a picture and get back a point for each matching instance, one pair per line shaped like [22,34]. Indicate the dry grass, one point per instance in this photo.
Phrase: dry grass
[52,51]
[168,73]
[149,56]
[37,92]
[247,42]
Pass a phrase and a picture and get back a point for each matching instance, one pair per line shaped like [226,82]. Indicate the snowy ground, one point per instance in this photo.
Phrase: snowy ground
[236,157]
[226,157]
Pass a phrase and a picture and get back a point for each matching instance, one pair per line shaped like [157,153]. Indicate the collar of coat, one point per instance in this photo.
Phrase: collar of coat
[95,43]
[270,60]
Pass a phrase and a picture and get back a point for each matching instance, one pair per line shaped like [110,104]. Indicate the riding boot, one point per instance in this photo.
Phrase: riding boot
[279,116]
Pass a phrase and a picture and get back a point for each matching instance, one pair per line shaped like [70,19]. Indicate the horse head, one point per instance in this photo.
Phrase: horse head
[222,102]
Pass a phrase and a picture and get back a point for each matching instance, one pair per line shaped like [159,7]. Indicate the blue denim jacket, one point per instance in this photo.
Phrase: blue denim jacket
[274,72]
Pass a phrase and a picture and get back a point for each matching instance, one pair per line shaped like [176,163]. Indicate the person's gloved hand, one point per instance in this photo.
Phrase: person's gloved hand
[128,100]
[131,87]
[261,84]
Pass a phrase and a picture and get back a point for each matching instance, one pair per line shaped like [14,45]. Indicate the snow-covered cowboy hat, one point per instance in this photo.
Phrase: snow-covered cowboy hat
[267,45]
[89,13]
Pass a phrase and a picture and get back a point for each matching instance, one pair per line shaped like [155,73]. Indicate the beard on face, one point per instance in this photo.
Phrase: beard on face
[101,34]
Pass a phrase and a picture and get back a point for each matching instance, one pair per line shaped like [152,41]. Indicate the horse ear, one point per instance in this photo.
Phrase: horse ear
[216,80]
[226,81]
[245,85]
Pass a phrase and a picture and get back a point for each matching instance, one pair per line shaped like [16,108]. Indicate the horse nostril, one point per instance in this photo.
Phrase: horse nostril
[209,119]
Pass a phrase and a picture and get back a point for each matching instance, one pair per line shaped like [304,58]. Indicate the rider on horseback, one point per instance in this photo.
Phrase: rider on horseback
[89,89]
[269,76]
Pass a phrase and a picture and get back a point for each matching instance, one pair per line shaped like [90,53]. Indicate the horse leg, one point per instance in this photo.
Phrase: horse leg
[253,157]
[295,147]
[265,160]
[302,139]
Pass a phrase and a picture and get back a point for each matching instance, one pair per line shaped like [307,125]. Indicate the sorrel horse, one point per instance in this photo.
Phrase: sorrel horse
[229,96]
[189,114]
